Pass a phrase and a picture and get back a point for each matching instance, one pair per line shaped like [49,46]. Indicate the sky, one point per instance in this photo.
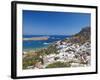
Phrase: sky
[53,23]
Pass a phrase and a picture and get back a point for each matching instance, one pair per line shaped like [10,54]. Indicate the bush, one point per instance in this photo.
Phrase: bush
[51,50]
[58,65]
[30,60]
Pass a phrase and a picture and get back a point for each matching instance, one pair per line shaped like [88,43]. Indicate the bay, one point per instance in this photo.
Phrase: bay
[36,44]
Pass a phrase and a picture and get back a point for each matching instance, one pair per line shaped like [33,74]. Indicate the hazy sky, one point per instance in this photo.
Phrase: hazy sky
[50,23]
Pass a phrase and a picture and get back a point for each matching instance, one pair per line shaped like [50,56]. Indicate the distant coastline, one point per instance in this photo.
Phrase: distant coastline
[37,38]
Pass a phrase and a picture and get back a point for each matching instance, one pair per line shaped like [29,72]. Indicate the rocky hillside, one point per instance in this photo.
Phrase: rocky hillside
[74,51]
[85,33]
[81,37]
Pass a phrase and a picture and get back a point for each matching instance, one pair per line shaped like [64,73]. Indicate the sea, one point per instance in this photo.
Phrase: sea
[37,44]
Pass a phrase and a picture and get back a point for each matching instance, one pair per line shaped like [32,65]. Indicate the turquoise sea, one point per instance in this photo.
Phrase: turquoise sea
[36,44]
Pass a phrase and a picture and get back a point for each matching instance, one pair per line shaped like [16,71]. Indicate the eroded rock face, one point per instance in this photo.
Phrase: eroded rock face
[76,54]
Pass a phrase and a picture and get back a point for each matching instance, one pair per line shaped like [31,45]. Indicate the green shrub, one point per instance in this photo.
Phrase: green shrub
[58,65]
[30,61]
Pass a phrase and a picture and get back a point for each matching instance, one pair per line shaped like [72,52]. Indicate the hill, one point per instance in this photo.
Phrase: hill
[81,37]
